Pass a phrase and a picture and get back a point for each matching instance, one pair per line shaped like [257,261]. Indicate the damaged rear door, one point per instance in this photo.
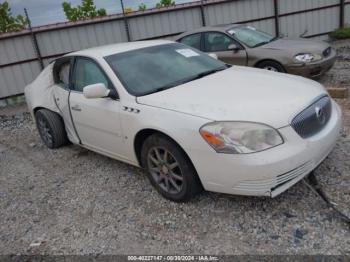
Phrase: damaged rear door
[61,91]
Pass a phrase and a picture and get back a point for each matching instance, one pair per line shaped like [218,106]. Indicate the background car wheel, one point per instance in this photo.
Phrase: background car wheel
[169,169]
[271,66]
[51,128]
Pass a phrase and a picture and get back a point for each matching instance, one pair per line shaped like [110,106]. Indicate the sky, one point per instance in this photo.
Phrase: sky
[50,11]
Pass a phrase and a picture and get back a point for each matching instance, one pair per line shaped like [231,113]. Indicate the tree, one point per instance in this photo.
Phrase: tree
[9,22]
[142,7]
[128,10]
[165,3]
[87,9]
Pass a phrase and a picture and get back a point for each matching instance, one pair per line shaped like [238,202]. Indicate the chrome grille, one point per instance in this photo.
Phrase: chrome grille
[312,120]
[327,52]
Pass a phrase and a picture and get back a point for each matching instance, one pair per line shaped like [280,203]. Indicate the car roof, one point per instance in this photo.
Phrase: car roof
[106,50]
[220,28]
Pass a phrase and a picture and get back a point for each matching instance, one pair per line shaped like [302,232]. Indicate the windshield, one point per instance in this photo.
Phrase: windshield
[250,36]
[152,69]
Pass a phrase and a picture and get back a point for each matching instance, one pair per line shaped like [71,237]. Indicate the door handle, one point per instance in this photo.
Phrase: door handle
[76,108]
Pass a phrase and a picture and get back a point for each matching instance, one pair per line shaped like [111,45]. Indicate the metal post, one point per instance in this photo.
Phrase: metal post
[342,13]
[276,14]
[34,40]
[126,22]
[202,13]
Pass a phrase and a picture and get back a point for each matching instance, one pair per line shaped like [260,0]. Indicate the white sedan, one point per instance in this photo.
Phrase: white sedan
[191,121]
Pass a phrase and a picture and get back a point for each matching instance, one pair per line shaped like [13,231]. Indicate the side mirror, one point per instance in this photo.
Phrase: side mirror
[213,55]
[98,91]
[234,47]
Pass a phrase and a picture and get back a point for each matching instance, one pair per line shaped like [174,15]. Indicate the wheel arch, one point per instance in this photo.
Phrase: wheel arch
[141,137]
[143,134]
[36,109]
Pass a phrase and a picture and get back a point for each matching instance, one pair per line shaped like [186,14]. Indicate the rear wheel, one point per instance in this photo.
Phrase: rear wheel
[51,128]
[271,66]
[169,169]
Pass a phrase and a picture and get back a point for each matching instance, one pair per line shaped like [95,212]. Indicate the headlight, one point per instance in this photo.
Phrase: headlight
[306,58]
[240,137]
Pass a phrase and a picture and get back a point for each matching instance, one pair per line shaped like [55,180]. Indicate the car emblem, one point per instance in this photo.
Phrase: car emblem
[320,115]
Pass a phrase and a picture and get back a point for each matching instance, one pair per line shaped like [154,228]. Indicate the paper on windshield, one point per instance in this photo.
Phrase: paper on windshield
[252,28]
[187,52]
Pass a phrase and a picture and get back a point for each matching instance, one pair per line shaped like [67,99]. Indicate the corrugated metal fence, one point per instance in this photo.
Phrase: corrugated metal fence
[20,60]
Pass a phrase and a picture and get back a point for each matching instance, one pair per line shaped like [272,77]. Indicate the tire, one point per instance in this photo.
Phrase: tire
[51,128]
[169,169]
[271,66]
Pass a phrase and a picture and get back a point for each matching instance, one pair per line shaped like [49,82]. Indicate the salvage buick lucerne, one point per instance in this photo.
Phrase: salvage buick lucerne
[191,121]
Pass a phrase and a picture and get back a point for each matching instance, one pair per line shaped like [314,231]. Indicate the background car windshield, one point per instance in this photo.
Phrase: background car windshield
[144,71]
[250,36]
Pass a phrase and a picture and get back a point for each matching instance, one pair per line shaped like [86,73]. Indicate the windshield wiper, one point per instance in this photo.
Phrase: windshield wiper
[186,80]
[266,42]
[159,89]
[209,72]
[262,43]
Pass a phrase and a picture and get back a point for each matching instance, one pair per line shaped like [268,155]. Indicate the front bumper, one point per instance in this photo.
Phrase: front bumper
[312,70]
[270,172]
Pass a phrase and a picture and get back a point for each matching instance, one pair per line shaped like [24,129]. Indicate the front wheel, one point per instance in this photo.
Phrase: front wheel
[271,66]
[169,169]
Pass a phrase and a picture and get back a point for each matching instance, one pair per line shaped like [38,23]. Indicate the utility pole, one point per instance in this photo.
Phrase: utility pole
[342,14]
[34,41]
[202,13]
[125,22]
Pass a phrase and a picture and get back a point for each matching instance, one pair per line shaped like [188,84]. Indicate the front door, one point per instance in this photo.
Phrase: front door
[97,121]
[218,43]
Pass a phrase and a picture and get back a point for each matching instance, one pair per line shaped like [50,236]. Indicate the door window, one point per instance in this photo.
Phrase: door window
[87,72]
[215,41]
[61,71]
[192,40]
[63,75]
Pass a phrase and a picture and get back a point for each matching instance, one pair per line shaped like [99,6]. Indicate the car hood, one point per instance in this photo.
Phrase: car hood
[297,46]
[240,94]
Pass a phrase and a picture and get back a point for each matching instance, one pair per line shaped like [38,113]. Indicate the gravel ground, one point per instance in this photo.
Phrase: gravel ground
[339,75]
[73,201]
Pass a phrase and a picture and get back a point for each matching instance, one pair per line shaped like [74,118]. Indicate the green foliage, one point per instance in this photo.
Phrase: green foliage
[142,7]
[87,9]
[165,3]
[341,33]
[128,10]
[9,22]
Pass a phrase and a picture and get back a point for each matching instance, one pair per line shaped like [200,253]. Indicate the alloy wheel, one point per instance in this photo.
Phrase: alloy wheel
[45,131]
[165,170]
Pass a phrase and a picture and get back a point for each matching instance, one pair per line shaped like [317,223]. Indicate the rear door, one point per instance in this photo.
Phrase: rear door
[62,72]
[97,121]
[218,43]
